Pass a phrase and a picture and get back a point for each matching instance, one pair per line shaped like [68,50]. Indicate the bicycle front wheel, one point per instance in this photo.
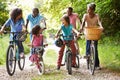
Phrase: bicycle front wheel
[69,62]
[10,60]
[41,68]
[77,61]
[92,60]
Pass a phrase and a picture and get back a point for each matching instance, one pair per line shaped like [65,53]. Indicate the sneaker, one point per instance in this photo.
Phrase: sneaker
[74,66]
[22,55]
[58,67]
[98,68]
[86,56]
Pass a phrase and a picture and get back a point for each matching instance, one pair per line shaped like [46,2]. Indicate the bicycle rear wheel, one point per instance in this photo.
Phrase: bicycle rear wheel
[69,62]
[10,60]
[92,60]
[21,63]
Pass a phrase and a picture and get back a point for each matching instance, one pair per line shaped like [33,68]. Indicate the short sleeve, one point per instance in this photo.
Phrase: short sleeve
[28,17]
[7,23]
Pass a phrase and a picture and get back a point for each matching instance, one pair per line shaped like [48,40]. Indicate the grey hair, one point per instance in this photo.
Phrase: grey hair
[92,6]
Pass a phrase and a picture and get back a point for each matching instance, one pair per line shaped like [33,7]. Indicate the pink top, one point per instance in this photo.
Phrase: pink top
[73,18]
[37,40]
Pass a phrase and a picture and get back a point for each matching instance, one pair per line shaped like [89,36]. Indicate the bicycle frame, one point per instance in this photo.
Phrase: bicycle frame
[13,56]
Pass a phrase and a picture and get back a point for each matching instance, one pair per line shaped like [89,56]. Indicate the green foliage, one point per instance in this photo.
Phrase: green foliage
[3,48]
[3,12]
[109,53]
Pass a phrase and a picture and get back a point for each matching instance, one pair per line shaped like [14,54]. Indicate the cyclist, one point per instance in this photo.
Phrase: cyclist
[16,23]
[37,38]
[91,19]
[73,19]
[67,29]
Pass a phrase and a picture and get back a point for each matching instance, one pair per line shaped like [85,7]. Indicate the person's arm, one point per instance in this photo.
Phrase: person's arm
[99,22]
[7,23]
[83,23]
[23,25]
[74,30]
[58,33]
[27,21]
[2,29]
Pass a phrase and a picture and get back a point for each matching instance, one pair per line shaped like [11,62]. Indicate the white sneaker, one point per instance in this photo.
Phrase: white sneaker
[98,68]
[22,55]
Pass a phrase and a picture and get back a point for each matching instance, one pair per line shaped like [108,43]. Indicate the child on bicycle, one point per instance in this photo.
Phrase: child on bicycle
[16,23]
[91,19]
[37,38]
[67,30]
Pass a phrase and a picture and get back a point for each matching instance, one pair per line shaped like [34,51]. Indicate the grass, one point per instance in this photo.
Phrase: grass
[108,49]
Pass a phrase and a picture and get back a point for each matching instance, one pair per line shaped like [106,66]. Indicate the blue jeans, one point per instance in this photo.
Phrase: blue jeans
[88,42]
[20,46]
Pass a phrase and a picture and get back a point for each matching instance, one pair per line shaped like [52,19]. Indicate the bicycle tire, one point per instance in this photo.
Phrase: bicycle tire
[21,63]
[41,68]
[69,62]
[92,60]
[77,62]
[10,60]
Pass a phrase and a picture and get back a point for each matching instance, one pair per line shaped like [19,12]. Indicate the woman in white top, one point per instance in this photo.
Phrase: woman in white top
[91,19]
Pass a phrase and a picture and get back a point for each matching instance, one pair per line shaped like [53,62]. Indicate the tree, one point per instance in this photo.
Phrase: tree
[3,12]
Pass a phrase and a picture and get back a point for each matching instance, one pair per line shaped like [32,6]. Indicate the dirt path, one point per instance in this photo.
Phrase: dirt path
[78,74]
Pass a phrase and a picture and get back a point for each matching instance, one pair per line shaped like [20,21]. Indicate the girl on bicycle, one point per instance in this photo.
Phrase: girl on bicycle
[37,38]
[91,19]
[67,30]
[16,23]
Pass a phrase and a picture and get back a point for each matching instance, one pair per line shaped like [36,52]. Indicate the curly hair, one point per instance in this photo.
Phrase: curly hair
[15,13]
[36,29]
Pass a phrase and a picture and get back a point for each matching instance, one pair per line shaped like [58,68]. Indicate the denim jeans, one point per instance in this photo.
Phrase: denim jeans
[88,42]
[20,46]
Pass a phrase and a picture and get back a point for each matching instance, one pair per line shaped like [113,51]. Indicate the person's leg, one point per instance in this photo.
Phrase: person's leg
[60,56]
[20,48]
[88,42]
[73,48]
[96,56]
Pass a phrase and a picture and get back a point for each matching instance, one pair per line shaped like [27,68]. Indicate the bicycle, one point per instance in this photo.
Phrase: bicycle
[68,56]
[92,34]
[37,58]
[13,54]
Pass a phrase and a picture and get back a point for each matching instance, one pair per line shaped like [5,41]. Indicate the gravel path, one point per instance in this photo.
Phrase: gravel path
[78,74]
